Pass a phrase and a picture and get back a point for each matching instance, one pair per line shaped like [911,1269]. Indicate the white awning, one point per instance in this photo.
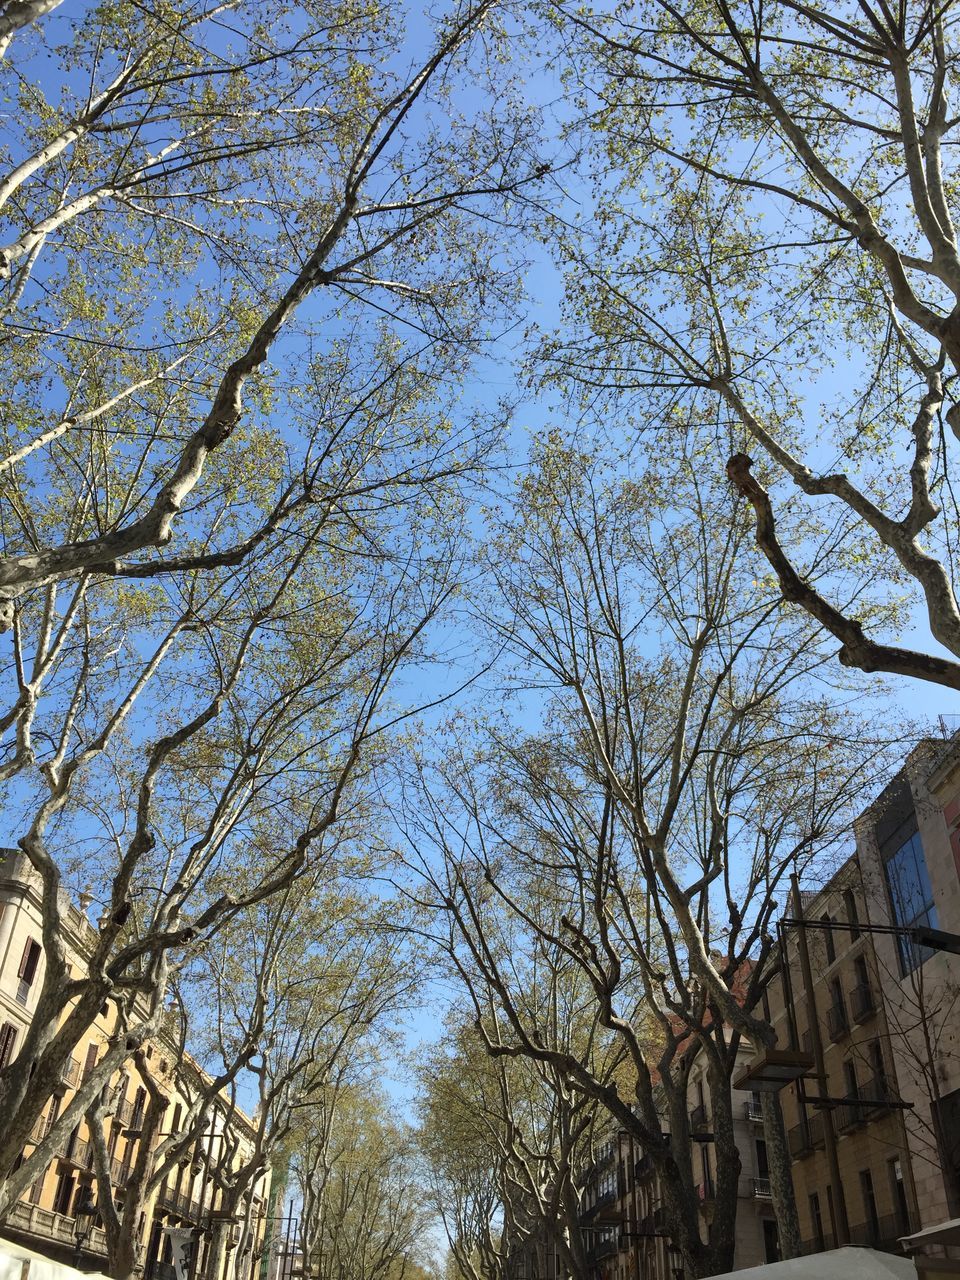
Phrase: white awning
[836,1264]
[20,1263]
[942,1233]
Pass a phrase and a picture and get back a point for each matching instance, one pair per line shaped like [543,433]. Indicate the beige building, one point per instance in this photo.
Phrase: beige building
[623,1207]
[888,1012]
[45,1218]
[876,1193]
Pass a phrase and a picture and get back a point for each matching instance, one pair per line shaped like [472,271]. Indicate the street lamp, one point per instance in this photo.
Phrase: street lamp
[84,1213]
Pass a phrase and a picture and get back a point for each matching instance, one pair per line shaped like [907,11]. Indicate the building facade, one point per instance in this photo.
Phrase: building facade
[886,1012]
[45,1218]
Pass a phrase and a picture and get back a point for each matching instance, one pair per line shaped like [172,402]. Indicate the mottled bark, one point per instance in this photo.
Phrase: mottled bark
[781,1175]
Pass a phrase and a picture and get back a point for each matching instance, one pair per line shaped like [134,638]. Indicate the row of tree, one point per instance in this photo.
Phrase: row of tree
[247,270]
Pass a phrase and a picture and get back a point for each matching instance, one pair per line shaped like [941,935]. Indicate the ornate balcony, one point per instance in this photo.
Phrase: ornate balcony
[862,1004]
[837,1025]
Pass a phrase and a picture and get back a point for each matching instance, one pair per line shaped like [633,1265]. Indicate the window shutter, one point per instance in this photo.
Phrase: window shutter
[8,1038]
[29,961]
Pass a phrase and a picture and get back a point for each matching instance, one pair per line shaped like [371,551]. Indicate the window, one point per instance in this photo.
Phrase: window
[771,1241]
[763,1166]
[853,917]
[899,1195]
[64,1193]
[837,1012]
[850,1078]
[828,940]
[8,1038]
[28,969]
[90,1061]
[877,1067]
[870,1204]
[816,1219]
[911,897]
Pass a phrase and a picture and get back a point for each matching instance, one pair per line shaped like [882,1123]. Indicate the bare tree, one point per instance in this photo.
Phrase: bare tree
[643,832]
[200,653]
[776,254]
[364,1216]
[506,1141]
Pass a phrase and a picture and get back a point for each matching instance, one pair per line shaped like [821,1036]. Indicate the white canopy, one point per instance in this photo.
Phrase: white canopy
[835,1264]
[19,1263]
[942,1233]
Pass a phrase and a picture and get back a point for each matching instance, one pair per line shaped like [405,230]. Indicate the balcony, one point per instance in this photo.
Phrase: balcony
[600,1250]
[23,992]
[597,1209]
[643,1167]
[660,1218]
[850,1115]
[876,1096]
[837,1025]
[862,1004]
[46,1224]
[761,1189]
[41,1128]
[882,1233]
[69,1075]
[817,1244]
[180,1205]
[698,1119]
[753,1112]
[805,1137]
[79,1153]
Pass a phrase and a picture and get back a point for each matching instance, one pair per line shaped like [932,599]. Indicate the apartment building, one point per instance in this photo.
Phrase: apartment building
[908,847]
[855,1104]
[45,1218]
[623,1213]
[888,1016]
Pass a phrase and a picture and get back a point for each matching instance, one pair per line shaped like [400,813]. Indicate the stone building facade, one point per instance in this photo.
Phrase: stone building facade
[45,1217]
[888,1016]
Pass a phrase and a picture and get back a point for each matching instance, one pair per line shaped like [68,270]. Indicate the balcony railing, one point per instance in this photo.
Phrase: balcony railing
[23,992]
[817,1244]
[753,1111]
[602,1202]
[643,1167]
[883,1233]
[698,1118]
[761,1189]
[862,1004]
[602,1249]
[872,1099]
[837,1025]
[876,1096]
[50,1225]
[181,1205]
[805,1137]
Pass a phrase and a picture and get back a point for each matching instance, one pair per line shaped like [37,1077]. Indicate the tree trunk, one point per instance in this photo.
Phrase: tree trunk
[781,1176]
[723,1223]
